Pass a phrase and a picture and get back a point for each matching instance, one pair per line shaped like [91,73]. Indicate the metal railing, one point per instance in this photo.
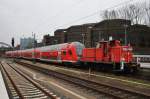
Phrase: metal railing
[142,58]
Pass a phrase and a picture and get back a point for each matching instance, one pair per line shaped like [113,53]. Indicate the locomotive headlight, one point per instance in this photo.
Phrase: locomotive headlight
[122,59]
[122,63]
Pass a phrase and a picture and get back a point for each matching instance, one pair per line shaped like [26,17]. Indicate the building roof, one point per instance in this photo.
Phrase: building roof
[59,30]
[87,24]
[113,21]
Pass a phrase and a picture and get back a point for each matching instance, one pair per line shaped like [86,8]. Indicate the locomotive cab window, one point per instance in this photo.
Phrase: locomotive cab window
[98,45]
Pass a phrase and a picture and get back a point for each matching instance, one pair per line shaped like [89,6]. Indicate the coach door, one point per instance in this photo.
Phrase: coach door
[63,54]
[59,56]
[105,50]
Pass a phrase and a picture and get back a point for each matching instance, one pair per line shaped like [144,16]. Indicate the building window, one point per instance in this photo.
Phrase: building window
[142,42]
[149,42]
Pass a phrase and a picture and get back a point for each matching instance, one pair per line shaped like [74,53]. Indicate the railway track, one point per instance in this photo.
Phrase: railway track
[143,74]
[106,90]
[20,86]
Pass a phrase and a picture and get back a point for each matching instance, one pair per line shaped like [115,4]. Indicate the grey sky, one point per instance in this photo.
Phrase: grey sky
[20,18]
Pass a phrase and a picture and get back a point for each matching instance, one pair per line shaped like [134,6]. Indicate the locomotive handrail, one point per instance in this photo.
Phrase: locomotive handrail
[142,58]
[141,55]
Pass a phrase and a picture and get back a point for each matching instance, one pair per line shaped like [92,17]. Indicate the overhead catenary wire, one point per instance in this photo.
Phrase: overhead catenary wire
[92,14]
[59,13]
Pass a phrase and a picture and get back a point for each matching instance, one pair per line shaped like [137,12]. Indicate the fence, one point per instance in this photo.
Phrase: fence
[142,58]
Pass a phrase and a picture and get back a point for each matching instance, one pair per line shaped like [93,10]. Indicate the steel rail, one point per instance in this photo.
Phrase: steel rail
[34,83]
[28,79]
[70,79]
[4,71]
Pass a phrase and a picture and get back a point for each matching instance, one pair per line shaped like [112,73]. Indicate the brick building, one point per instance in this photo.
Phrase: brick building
[73,33]
[89,34]
[139,37]
[78,32]
[48,40]
[60,36]
[109,28]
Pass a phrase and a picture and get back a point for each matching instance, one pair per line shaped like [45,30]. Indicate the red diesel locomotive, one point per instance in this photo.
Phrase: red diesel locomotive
[107,54]
[110,55]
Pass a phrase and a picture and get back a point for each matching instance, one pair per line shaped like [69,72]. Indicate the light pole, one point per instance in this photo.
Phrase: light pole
[56,41]
[83,38]
[90,41]
[33,47]
[89,36]
[65,37]
[125,38]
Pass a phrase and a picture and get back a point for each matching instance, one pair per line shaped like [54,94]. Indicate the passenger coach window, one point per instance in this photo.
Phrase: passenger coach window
[70,52]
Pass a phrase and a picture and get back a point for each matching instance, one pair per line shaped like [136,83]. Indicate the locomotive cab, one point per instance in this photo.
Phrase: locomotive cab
[111,50]
[122,57]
